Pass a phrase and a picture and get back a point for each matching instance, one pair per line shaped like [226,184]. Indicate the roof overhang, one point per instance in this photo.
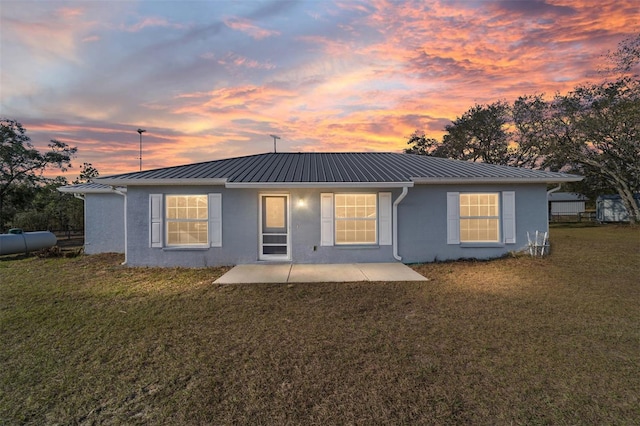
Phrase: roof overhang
[123,182]
[281,185]
[80,190]
[160,182]
[493,180]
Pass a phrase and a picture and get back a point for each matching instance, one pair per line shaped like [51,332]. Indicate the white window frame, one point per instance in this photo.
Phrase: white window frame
[494,218]
[336,219]
[204,220]
[261,255]
[506,218]
[384,219]
[158,221]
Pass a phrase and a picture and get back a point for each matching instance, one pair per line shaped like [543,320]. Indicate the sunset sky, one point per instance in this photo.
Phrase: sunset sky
[213,79]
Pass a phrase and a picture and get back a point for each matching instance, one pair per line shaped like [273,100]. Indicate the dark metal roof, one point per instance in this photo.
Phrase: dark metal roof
[342,168]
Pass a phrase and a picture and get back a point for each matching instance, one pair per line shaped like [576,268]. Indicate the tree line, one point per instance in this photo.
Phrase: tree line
[593,131]
[28,199]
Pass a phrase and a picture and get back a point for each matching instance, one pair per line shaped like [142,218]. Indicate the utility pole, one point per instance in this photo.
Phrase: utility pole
[141,132]
[274,142]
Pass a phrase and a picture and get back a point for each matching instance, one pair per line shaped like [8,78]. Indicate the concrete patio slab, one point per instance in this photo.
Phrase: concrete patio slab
[389,272]
[250,274]
[307,273]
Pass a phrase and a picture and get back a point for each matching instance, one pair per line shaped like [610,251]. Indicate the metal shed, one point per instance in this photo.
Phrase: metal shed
[610,208]
[566,204]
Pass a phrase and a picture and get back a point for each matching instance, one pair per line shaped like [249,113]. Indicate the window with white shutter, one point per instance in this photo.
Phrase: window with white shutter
[185,220]
[477,217]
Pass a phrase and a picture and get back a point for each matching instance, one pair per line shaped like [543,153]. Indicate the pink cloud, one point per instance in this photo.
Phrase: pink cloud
[362,76]
[248,27]
[69,13]
[152,22]
[237,60]
[91,39]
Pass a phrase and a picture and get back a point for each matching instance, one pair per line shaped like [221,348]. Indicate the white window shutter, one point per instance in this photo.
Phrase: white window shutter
[215,220]
[384,218]
[155,220]
[509,216]
[453,218]
[326,219]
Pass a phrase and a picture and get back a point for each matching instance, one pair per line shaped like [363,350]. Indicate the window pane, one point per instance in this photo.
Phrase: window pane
[274,239]
[202,213]
[274,250]
[185,233]
[187,207]
[479,217]
[351,231]
[275,212]
[355,221]
[479,230]
[187,219]
[493,206]
[371,212]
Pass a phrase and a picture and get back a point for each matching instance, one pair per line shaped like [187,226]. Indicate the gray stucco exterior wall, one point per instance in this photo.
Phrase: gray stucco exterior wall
[240,230]
[104,223]
[422,226]
[422,222]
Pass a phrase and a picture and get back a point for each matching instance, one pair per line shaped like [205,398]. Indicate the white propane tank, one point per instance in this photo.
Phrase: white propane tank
[26,242]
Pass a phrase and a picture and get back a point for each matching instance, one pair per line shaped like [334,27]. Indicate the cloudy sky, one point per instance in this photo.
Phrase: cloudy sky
[213,79]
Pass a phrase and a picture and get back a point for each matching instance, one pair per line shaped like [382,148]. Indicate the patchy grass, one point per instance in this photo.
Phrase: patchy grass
[513,341]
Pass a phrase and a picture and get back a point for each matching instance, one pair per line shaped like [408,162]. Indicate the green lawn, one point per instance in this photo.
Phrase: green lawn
[512,341]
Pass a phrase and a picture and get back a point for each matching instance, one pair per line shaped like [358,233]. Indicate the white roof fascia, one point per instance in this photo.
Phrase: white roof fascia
[161,182]
[265,185]
[493,180]
[110,190]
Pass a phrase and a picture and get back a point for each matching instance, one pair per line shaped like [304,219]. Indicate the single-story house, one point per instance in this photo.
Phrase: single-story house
[610,208]
[566,204]
[321,208]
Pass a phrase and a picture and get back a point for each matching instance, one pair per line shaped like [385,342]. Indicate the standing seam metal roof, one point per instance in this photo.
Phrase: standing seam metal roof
[358,167]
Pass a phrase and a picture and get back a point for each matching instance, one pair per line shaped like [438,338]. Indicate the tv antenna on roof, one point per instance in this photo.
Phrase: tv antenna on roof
[141,132]
[274,141]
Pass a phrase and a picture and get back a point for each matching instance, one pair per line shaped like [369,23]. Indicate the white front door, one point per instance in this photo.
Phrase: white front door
[274,227]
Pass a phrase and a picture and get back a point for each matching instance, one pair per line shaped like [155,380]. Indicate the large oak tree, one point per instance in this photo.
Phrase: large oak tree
[22,165]
[593,130]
